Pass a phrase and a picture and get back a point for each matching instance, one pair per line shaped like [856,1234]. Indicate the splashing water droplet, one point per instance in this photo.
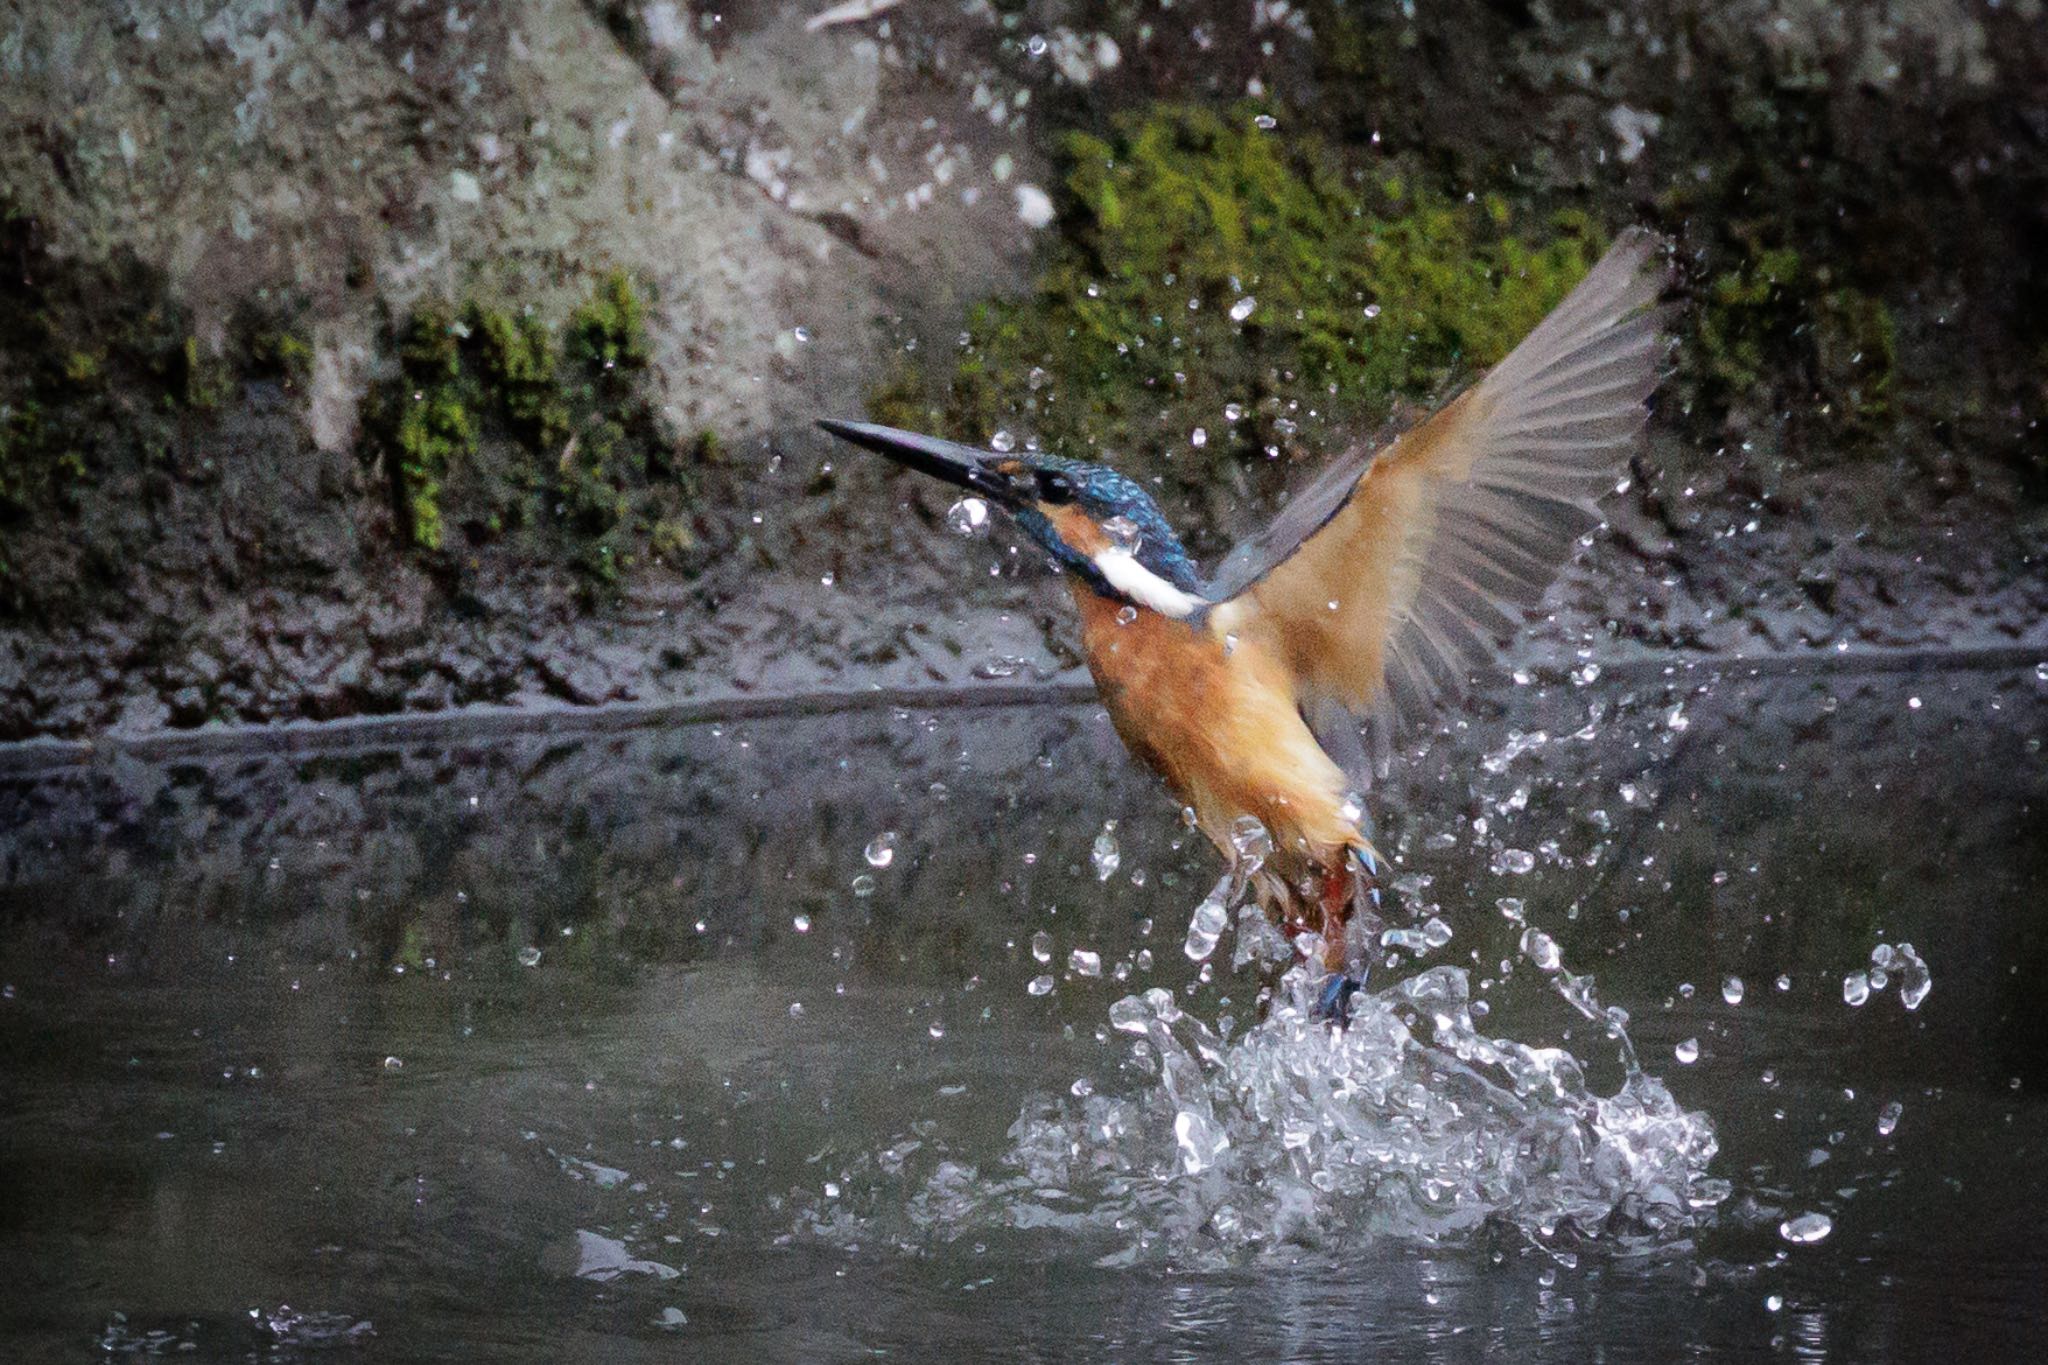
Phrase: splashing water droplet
[1541,949]
[529,957]
[881,850]
[1242,309]
[1252,842]
[1123,533]
[1888,1118]
[967,516]
[1856,988]
[864,886]
[1205,926]
[1201,1142]
[1513,862]
[801,923]
[1687,1052]
[1806,1229]
[1041,946]
[1126,615]
[1040,985]
[1372,310]
[1731,989]
[1915,980]
[1233,412]
[1105,854]
[1002,442]
[1081,962]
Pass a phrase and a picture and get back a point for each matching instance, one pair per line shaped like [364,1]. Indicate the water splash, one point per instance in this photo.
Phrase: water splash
[1410,1126]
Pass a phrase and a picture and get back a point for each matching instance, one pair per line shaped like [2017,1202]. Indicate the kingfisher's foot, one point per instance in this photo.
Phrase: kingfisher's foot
[1334,1004]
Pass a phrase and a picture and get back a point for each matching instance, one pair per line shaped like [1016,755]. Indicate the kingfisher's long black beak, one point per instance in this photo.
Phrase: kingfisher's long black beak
[960,465]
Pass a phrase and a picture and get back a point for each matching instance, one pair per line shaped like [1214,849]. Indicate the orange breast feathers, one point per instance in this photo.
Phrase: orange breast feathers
[1220,723]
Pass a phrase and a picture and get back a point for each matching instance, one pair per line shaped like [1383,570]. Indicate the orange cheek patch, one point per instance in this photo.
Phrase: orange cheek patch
[1076,528]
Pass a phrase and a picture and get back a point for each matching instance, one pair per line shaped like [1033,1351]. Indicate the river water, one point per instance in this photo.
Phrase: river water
[646,1045]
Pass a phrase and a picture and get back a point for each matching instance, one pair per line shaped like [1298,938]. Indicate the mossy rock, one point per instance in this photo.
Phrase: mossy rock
[496,429]
[1225,295]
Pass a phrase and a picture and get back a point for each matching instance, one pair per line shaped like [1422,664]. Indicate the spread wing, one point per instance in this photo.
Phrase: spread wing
[1394,574]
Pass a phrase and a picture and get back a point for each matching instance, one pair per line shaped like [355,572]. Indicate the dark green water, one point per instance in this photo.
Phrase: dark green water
[278,1078]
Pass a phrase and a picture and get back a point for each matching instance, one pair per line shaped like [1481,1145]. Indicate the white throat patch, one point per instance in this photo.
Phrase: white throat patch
[1121,569]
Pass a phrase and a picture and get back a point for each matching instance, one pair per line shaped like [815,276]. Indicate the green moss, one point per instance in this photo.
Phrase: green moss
[1771,329]
[1856,349]
[84,369]
[607,334]
[433,428]
[1745,315]
[199,380]
[518,361]
[281,353]
[495,426]
[1209,267]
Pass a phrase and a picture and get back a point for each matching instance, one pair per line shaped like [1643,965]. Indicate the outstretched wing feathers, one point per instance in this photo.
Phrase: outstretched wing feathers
[1394,574]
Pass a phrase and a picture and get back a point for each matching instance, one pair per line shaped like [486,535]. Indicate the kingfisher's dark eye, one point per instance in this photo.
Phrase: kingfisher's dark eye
[1054,487]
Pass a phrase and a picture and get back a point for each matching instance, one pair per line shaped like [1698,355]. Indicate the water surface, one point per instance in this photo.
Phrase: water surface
[618,1046]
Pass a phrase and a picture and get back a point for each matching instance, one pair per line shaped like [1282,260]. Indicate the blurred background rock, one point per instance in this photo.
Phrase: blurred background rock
[377,358]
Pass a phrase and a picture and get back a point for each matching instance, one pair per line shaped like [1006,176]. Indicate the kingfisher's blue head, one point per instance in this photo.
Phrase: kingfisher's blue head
[1094,522]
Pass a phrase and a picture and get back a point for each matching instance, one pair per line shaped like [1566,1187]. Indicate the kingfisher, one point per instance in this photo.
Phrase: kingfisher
[1263,692]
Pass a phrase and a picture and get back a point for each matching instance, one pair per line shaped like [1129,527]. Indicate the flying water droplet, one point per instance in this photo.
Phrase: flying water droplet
[1687,1052]
[1731,989]
[1541,949]
[1242,309]
[1206,926]
[1233,412]
[1123,533]
[1856,988]
[1040,985]
[1198,438]
[1806,1229]
[881,850]
[1250,839]
[1081,962]
[1105,855]
[1041,946]
[1200,1141]
[1002,442]
[802,924]
[864,886]
[529,957]
[1372,310]
[1513,862]
[1915,981]
[967,516]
